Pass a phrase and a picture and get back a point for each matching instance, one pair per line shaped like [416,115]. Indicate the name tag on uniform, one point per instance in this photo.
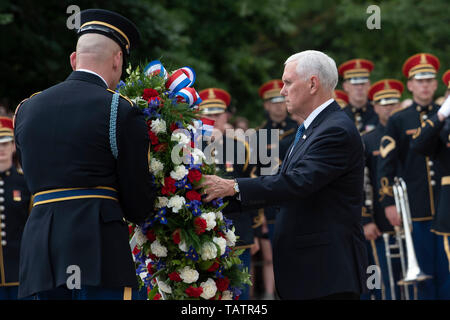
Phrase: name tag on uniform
[17,195]
[376,153]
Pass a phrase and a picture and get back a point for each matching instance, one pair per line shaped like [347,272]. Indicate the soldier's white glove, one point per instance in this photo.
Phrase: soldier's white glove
[445,108]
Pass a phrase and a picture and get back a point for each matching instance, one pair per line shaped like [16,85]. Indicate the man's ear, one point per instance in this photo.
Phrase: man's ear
[73,60]
[409,84]
[345,86]
[117,60]
[314,85]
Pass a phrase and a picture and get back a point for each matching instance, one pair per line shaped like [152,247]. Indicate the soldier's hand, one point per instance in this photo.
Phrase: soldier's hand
[215,187]
[392,216]
[371,231]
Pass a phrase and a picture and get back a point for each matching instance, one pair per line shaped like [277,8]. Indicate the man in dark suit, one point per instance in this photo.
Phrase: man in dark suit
[84,154]
[319,250]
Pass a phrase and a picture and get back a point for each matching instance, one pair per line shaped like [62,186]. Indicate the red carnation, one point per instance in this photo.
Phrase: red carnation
[194,292]
[169,186]
[200,225]
[153,138]
[194,175]
[151,235]
[222,284]
[149,93]
[193,195]
[174,276]
[214,267]
[176,236]
[173,127]
[157,296]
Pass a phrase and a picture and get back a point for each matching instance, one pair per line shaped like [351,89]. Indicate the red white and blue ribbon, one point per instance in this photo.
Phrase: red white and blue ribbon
[205,125]
[190,96]
[155,68]
[178,80]
[190,74]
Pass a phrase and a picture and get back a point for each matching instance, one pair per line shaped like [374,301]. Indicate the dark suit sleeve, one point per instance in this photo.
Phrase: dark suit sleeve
[389,157]
[326,159]
[137,195]
[426,141]
[367,212]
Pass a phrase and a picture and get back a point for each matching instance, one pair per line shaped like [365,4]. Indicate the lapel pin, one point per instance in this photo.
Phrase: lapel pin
[304,137]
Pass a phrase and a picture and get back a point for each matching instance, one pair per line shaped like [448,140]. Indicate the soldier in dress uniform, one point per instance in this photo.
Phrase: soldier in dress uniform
[433,140]
[341,98]
[14,208]
[232,158]
[84,151]
[385,95]
[420,174]
[356,76]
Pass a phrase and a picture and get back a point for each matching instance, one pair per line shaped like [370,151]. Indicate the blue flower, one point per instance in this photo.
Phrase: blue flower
[120,85]
[161,216]
[236,291]
[219,271]
[217,202]
[194,206]
[192,254]
[228,223]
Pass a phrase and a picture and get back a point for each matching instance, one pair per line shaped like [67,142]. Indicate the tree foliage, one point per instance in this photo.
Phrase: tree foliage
[234,45]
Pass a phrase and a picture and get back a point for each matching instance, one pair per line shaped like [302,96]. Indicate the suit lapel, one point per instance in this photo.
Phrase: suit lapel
[305,139]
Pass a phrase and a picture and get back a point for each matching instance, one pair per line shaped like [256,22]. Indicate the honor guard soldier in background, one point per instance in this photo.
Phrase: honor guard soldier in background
[341,98]
[420,173]
[232,157]
[14,208]
[385,95]
[84,154]
[356,76]
[433,140]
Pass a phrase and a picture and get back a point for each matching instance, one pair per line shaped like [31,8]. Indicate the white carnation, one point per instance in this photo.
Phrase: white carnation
[183,246]
[210,218]
[158,249]
[227,295]
[164,287]
[231,238]
[219,216]
[189,275]
[179,172]
[209,289]
[222,243]
[176,203]
[208,251]
[180,137]
[162,202]
[198,156]
[140,237]
[156,166]
[158,126]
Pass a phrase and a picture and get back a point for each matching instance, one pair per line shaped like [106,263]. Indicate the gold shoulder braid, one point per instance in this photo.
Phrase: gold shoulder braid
[121,95]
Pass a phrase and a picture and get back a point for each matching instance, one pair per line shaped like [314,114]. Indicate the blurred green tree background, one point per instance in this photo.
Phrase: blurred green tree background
[235,45]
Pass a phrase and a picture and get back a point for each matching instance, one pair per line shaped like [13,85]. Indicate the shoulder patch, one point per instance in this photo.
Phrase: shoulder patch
[122,96]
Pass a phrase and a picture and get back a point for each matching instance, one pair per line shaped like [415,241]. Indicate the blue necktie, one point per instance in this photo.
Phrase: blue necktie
[299,134]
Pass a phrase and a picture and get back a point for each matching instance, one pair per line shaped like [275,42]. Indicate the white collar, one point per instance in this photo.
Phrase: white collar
[90,71]
[316,112]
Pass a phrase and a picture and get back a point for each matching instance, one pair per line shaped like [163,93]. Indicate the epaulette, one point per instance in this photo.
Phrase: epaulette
[122,96]
[401,109]
[290,131]
[18,106]
[247,151]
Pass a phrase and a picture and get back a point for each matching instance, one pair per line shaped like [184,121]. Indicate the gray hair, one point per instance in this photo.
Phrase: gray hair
[311,62]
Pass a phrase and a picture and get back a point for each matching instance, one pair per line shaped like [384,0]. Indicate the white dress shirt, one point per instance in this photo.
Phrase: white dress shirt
[90,71]
[316,112]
